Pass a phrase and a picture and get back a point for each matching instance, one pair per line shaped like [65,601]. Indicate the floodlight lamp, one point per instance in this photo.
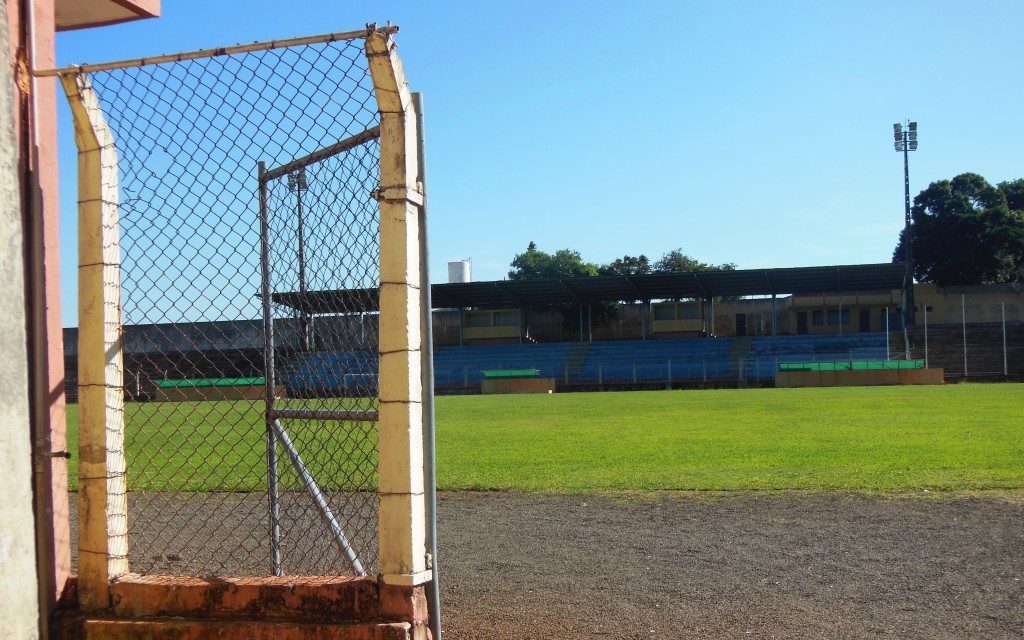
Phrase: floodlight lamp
[899,145]
[897,130]
[297,180]
[913,145]
[913,128]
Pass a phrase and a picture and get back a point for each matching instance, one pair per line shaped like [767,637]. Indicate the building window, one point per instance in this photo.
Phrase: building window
[478,319]
[665,312]
[506,318]
[689,311]
[818,318]
[834,316]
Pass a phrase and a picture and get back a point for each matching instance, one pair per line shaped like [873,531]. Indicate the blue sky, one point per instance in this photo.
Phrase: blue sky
[750,132]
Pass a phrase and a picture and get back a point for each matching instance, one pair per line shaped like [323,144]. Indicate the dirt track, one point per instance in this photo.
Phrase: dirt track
[782,565]
[736,566]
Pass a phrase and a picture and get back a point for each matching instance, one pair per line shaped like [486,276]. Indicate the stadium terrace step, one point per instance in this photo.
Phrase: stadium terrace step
[739,355]
[289,597]
[175,629]
[575,359]
[157,607]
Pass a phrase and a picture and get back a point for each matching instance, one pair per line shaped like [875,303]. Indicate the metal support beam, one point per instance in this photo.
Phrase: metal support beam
[341,146]
[313,489]
[212,53]
[367,415]
[270,390]
[433,587]
[774,318]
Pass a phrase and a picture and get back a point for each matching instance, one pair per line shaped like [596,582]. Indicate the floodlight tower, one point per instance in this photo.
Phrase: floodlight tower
[297,185]
[906,141]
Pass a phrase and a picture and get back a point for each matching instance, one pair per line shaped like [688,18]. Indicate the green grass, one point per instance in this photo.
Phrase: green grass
[952,438]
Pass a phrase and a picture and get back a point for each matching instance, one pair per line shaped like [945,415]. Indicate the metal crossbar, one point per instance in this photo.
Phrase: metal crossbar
[322,154]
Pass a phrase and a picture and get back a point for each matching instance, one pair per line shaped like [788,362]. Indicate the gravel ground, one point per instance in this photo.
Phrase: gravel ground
[757,565]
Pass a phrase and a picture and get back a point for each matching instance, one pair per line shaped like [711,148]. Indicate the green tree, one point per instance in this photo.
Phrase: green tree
[676,261]
[626,266]
[534,264]
[1014,192]
[966,232]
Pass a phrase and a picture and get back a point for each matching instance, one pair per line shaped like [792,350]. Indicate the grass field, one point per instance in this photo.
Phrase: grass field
[950,438]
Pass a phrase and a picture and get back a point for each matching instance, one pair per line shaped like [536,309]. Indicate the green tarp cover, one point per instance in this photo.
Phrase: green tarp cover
[512,373]
[211,382]
[852,365]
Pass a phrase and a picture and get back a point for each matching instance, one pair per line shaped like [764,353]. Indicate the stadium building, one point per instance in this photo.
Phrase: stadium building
[665,330]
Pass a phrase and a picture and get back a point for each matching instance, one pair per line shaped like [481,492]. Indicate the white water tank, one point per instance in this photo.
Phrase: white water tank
[460,270]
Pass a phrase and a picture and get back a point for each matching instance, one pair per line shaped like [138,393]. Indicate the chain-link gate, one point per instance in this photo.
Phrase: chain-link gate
[320,239]
[258,208]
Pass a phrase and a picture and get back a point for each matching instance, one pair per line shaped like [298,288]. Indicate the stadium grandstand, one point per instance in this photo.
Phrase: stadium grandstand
[727,328]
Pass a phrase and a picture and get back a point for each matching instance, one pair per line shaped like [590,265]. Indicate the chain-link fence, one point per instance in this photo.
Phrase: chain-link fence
[246,186]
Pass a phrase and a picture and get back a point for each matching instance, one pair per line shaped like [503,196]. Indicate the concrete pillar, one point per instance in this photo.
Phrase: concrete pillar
[402,511]
[102,493]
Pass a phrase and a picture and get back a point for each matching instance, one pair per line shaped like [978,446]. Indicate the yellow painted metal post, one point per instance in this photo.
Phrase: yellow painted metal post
[102,500]
[402,537]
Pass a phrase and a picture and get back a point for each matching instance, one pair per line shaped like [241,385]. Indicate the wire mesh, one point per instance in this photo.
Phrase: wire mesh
[189,136]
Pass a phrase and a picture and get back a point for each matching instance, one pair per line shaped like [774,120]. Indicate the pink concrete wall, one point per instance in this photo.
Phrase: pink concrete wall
[36,133]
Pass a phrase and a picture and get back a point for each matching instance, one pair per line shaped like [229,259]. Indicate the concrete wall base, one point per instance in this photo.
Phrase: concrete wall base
[518,385]
[857,378]
[271,608]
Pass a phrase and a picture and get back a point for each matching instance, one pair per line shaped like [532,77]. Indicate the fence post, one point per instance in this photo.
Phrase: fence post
[670,372]
[634,371]
[887,356]
[925,336]
[102,499]
[963,324]
[402,510]
[1006,367]
[600,373]
[270,377]
[704,366]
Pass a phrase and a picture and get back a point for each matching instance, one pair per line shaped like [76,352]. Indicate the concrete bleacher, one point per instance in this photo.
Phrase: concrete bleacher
[719,361]
[464,366]
[636,361]
[350,372]
[766,352]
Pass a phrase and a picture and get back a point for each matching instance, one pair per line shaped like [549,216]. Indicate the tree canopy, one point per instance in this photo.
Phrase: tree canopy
[676,261]
[626,266]
[534,264]
[966,231]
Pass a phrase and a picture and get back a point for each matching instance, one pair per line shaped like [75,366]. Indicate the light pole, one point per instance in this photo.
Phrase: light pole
[906,141]
[297,184]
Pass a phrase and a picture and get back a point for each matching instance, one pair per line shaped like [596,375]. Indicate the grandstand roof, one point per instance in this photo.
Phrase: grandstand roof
[660,286]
